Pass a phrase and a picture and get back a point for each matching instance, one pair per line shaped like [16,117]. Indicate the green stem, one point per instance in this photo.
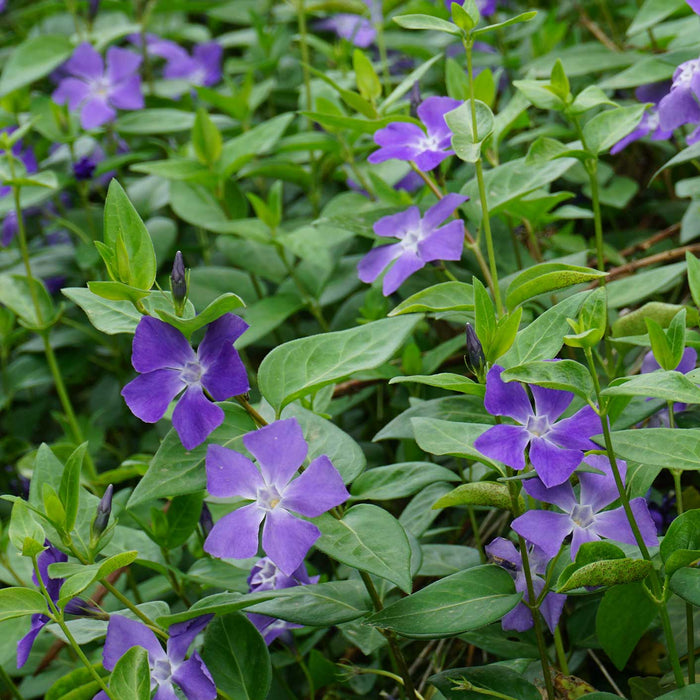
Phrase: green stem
[394,648]
[309,678]
[381,44]
[251,411]
[656,587]
[128,604]
[561,654]
[10,684]
[485,219]
[597,220]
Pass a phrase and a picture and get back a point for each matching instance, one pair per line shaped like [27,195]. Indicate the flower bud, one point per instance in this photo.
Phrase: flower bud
[178,284]
[206,522]
[93,7]
[474,358]
[81,608]
[104,510]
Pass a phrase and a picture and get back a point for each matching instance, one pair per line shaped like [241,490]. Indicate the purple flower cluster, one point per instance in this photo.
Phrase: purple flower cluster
[276,497]
[168,366]
[421,240]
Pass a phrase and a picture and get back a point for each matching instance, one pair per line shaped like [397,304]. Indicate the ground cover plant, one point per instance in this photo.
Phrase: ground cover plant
[348,348]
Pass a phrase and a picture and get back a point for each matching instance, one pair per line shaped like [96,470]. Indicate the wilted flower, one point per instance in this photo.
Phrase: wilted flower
[556,446]
[407,141]
[168,668]
[504,553]
[584,517]
[280,449]
[421,240]
[97,92]
[168,365]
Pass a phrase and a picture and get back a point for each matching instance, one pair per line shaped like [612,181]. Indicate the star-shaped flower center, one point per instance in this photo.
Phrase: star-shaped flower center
[582,515]
[538,426]
[688,70]
[161,671]
[269,497]
[411,240]
[191,373]
[100,87]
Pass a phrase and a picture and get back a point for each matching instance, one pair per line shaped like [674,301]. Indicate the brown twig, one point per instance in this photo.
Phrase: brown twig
[666,256]
[597,32]
[652,240]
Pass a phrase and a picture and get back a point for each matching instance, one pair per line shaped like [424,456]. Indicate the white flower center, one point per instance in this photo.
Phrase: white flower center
[430,142]
[268,497]
[161,671]
[191,373]
[583,516]
[538,425]
[688,70]
[100,87]
[411,240]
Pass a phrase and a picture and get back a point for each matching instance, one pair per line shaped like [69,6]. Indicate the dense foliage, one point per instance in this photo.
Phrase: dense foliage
[348,348]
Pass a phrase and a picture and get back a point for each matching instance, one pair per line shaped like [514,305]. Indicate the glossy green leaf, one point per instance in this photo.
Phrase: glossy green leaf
[447,296]
[444,380]
[606,572]
[427,22]
[220,306]
[466,141]
[398,480]
[685,583]
[131,677]
[607,128]
[455,604]
[368,82]
[155,121]
[676,449]
[670,386]
[566,375]
[206,138]
[478,493]
[25,532]
[681,545]
[16,294]
[467,683]
[33,59]
[652,13]
[17,602]
[79,684]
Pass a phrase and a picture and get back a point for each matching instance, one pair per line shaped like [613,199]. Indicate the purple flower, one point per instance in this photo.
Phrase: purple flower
[28,159]
[584,517]
[694,6]
[168,365]
[687,363]
[203,67]
[485,7]
[421,240]
[357,30]
[504,553]
[649,125]
[168,668]
[681,106]
[556,446]
[267,576]
[407,141]
[157,46]
[97,92]
[276,496]
[51,555]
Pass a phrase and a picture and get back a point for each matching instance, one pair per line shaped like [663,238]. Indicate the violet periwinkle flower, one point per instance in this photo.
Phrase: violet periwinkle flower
[583,516]
[407,141]
[556,446]
[169,668]
[354,28]
[98,92]
[681,106]
[26,156]
[202,68]
[276,496]
[51,555]
[687,363]
[504,553]
[168,366]
[649,124]
[267,576]
[694,6]
[421,240]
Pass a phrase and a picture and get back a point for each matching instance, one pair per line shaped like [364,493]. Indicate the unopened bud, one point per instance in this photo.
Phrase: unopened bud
[104,510]
[415,99]
[206,522]
[178,284]
[81,608]
[93,7]
[474,358]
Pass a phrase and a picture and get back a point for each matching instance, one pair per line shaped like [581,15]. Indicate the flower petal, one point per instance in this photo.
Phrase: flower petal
[158,345]
[688,361]
[149,395]
[287,539]
[405,265]
[429,159]
[24,645]
[224,331]
[374,263]
[504,443]
[316,490]
[550,402]
[280,449]
[561,495]
[404,134]
[551,609]
[85,63]
[576,432]
[95,113]
[432,113]
[182,634]
[122,634]
[127,94]
[226,376]
[544,528]
[614,525]
[553,464]
[581,536]
[229,473]
[398,225]
[165,692]
[208,55]
[506,399]
[442,210]
[195,417]
[504,550]
[600,490]
[235,536]
[121,64]
[677,108]
[445,243]
[194,679]
[518,619]
[71,90]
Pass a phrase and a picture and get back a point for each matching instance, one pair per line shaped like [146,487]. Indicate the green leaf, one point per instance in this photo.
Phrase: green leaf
[495,679]
[237,657]
[484,317]
[547,277]
[110,317]
[398,480]
[624,614]
[182,518]
[17,602]
[25,533]
[447,296]
[661,384]
[590,97]
[407,83]
[79,577]
[217,308]
[131,677]
[117,291]
[693,276]
[465,17]
[566,375]
[673,449]
[652,13]
[125,234]
[465,142]
[506,331]
[685,583]
[33,59]
[606,572]
[206,138]
[16,295]
[478,493]
[79,684]
[517,19]
[370,539]
[427,22]
[592,322]
[559,82]
[368,82]
[607,128]
[681,545]
[155,121]
[540,94]
[302,366]
[455,604]
[444,380]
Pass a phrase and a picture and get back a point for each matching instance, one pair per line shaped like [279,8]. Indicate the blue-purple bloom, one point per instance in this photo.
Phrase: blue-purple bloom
[485,7]
[649,124]
[28,159]
[556,446]
[356,29]
[504,553]
[421,240]
[407,141]
[168,668]
[202,68]
[681,106]
[168,365]
[267,576]
[687,363]
[583,516]
[99,92]
[277,497]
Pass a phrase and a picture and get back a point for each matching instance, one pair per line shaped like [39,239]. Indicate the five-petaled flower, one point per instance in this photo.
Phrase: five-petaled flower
[421,240]
[202,68]
[168,668]
[504,553]
[267,576]
[276,496]
[407,141]
[584,517]
[168,365]
[97,92]
[556,446]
